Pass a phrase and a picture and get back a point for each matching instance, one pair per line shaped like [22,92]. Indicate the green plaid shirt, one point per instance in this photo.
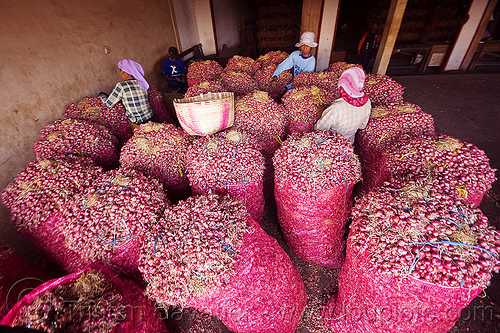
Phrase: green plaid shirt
[134,99]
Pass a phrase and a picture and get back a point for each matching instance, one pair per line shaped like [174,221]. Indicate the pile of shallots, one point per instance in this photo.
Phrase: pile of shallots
[159,150]
[92,109]
[78,137]
[228,163]
[107,221]
[44,187]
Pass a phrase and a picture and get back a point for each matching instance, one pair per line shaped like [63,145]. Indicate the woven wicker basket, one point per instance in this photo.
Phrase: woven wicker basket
[206,113]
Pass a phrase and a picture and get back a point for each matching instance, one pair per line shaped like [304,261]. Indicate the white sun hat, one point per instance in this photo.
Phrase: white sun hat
[307,38]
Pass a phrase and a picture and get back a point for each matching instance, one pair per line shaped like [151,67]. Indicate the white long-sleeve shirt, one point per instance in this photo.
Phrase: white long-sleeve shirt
[344,118]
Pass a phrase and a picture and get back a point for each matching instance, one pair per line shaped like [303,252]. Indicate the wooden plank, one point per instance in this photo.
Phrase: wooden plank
[478,36]
[389,36]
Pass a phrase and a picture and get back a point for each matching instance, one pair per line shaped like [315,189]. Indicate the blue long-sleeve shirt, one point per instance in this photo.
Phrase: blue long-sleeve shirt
[298,62]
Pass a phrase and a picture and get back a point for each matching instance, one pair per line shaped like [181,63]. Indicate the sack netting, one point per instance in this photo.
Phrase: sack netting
[208,254]
[415,259]
[159,151]
[228,163]
[93,109]
[107,222]
[456,168]
[78,137]
[17,277]
[93,299]
[387,125]
[160,110]
[303,107]
[314,177]
[37,195]
[260,116]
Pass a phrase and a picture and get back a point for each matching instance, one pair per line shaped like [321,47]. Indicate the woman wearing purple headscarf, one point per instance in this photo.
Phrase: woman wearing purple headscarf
[132,92]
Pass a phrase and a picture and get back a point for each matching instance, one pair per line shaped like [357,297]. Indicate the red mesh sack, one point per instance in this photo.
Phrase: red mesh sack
[387,125]
[456,168]
[275,88]
[238,63]
[240,83]
[303,108]
[415,259]
[161,113]
[93,109]
[314,177]
[36,196]
[204,87]
[201,71]
[228,163]
[271,58]
[130,310]
[211,256]
[263,118]
[18,276]
[383,90]
[108,221]
[78,137]
[159,151]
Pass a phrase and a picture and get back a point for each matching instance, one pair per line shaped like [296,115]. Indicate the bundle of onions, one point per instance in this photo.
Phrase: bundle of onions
[271,58]
[324,80]
[78,137]
[238,82]
[92,109]
[263,118]
[314,177]
[238,63]
[93,299]
[461,169]
[38,193]
[303,107]
[108,221]
[383,90]
[276,88]
[210,255]
[410,250]
[200,71]
[337,68]
[43,187]
[388,124]
[159,151]
[228,163]
[161,113]
[204,87]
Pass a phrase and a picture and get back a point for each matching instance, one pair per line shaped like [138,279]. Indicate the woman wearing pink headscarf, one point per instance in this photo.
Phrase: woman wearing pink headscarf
[132,92]
[352,110]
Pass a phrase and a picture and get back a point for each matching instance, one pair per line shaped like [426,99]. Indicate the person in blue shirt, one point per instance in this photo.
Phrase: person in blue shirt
[175,71]
[301,60]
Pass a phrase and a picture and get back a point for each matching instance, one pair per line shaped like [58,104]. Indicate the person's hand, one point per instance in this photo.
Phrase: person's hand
[274,81]
[103,96]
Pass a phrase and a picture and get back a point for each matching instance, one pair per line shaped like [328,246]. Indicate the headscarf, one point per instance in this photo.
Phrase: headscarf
[133,68]
[351,84]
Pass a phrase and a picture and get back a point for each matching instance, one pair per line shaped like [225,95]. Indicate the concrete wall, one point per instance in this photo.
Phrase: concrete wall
[52,54]
[194,23]
[186,23]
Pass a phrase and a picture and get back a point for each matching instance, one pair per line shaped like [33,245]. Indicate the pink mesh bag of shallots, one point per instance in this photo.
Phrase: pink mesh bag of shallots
[94,298]
[314,177]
